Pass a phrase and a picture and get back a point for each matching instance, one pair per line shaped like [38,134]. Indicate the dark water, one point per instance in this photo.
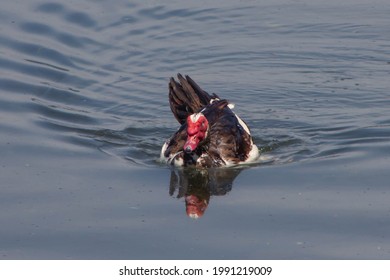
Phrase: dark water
[84,112]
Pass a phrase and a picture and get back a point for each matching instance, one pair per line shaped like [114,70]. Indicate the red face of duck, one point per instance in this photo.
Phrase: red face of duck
[197,126]
[195,207]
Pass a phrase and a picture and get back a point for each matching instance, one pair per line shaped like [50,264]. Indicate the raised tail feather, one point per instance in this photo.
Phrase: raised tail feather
[186,97]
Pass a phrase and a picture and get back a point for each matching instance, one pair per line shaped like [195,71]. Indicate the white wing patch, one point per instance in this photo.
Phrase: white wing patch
[254,152]
[244,126]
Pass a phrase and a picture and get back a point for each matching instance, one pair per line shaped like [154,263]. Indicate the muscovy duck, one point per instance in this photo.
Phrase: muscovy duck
[210,135]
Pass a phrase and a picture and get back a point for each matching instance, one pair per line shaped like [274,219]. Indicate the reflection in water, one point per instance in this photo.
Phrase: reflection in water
[198,185]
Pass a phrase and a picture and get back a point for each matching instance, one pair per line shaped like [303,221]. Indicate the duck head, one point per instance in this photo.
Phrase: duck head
[197,131]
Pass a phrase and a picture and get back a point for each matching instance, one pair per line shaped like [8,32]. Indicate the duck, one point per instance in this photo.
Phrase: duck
[210,133]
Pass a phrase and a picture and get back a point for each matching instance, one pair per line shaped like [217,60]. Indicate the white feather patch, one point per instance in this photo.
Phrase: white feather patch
[244,126]
[253,154]
[195,117]
[163,149]
[171,159]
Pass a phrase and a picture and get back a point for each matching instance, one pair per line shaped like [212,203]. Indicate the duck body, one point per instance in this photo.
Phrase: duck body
[210,133]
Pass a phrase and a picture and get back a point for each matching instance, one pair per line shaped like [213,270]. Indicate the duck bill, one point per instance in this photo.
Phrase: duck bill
[191,144]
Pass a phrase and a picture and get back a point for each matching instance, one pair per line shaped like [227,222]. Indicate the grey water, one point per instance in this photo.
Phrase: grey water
[84,112]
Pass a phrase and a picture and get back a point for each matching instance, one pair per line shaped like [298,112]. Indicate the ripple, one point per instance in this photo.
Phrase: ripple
[52,8]
[160,12]
[81,19]
[102,77]
[61,112]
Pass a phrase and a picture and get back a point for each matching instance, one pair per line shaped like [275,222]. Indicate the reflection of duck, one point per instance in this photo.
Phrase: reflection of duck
[197,185]
[211,134]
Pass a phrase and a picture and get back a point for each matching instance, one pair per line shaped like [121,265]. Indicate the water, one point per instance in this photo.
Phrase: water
[84,112]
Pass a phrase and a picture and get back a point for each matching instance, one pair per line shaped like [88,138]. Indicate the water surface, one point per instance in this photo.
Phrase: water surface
[84,112]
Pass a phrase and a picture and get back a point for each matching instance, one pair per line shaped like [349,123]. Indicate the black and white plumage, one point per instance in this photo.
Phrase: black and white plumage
[210,135]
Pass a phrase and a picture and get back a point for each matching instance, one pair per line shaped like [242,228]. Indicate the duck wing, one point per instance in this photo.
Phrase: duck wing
[186,97]
[230,138]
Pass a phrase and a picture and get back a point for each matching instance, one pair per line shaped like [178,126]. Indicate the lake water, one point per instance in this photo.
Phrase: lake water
[84,112]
